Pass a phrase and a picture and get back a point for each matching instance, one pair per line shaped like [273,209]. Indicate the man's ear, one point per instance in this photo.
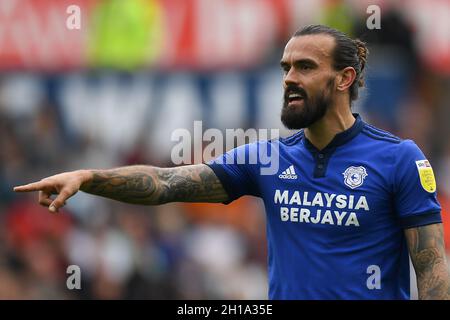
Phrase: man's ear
[345,78]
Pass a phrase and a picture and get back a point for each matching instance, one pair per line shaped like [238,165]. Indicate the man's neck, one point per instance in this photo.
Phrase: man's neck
[323,131]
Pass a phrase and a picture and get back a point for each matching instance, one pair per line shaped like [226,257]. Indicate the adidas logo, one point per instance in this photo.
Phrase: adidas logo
[289,173]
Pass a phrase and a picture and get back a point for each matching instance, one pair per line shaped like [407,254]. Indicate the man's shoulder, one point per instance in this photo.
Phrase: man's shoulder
[377,134]
[292,139]
[396,150]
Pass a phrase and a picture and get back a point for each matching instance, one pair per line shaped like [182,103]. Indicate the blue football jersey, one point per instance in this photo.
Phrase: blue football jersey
[336,217]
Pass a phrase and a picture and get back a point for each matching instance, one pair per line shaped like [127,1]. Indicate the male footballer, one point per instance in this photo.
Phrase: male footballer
[348,206]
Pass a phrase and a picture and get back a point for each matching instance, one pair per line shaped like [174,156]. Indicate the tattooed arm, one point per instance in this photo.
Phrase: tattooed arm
[133,184]
[152,185]
[426,247]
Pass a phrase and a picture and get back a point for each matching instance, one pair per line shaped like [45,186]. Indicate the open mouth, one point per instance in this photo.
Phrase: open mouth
[294,98]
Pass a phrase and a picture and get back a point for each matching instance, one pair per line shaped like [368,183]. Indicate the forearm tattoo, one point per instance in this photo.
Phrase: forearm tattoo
[426,246]
[152,185]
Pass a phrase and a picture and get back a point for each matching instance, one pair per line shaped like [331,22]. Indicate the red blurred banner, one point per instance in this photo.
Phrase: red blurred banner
[178,33]
[33,34]
[191,33]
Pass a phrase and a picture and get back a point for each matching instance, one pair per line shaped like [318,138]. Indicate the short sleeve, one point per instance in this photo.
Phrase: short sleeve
[415,195]
[238,171]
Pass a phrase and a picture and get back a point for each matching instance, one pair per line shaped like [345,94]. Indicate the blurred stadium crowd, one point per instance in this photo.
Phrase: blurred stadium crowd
[111,94]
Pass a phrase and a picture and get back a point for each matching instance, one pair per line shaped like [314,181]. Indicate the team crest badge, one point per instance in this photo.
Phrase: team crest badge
[354,176]
[426,175]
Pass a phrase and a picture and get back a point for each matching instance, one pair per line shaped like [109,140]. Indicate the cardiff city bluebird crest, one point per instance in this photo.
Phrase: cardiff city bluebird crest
[354,176]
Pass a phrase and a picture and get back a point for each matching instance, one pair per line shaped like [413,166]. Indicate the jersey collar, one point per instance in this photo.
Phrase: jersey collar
[340,138]
[322,157]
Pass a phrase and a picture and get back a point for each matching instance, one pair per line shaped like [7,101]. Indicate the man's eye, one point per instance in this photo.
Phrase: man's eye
[305,67]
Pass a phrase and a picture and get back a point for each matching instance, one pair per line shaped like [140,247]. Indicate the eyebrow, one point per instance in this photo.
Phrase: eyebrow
[299,62]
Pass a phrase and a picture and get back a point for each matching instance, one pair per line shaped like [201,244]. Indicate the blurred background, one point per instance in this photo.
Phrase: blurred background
[112,92]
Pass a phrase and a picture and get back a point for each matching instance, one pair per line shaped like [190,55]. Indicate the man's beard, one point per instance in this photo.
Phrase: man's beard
[313,109]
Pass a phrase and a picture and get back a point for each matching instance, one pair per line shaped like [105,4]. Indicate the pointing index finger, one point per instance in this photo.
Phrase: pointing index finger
[35,186]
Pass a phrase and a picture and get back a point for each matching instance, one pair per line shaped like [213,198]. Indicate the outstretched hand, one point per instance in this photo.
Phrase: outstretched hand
[64,185]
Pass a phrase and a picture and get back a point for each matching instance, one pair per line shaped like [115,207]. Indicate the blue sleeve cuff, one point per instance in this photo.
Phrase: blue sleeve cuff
[225,180]
[422,219]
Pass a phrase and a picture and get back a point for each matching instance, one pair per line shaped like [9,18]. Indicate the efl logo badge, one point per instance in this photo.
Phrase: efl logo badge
[354,176]
[426,175]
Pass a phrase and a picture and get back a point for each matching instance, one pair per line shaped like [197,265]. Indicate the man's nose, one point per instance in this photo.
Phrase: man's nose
[291,78]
